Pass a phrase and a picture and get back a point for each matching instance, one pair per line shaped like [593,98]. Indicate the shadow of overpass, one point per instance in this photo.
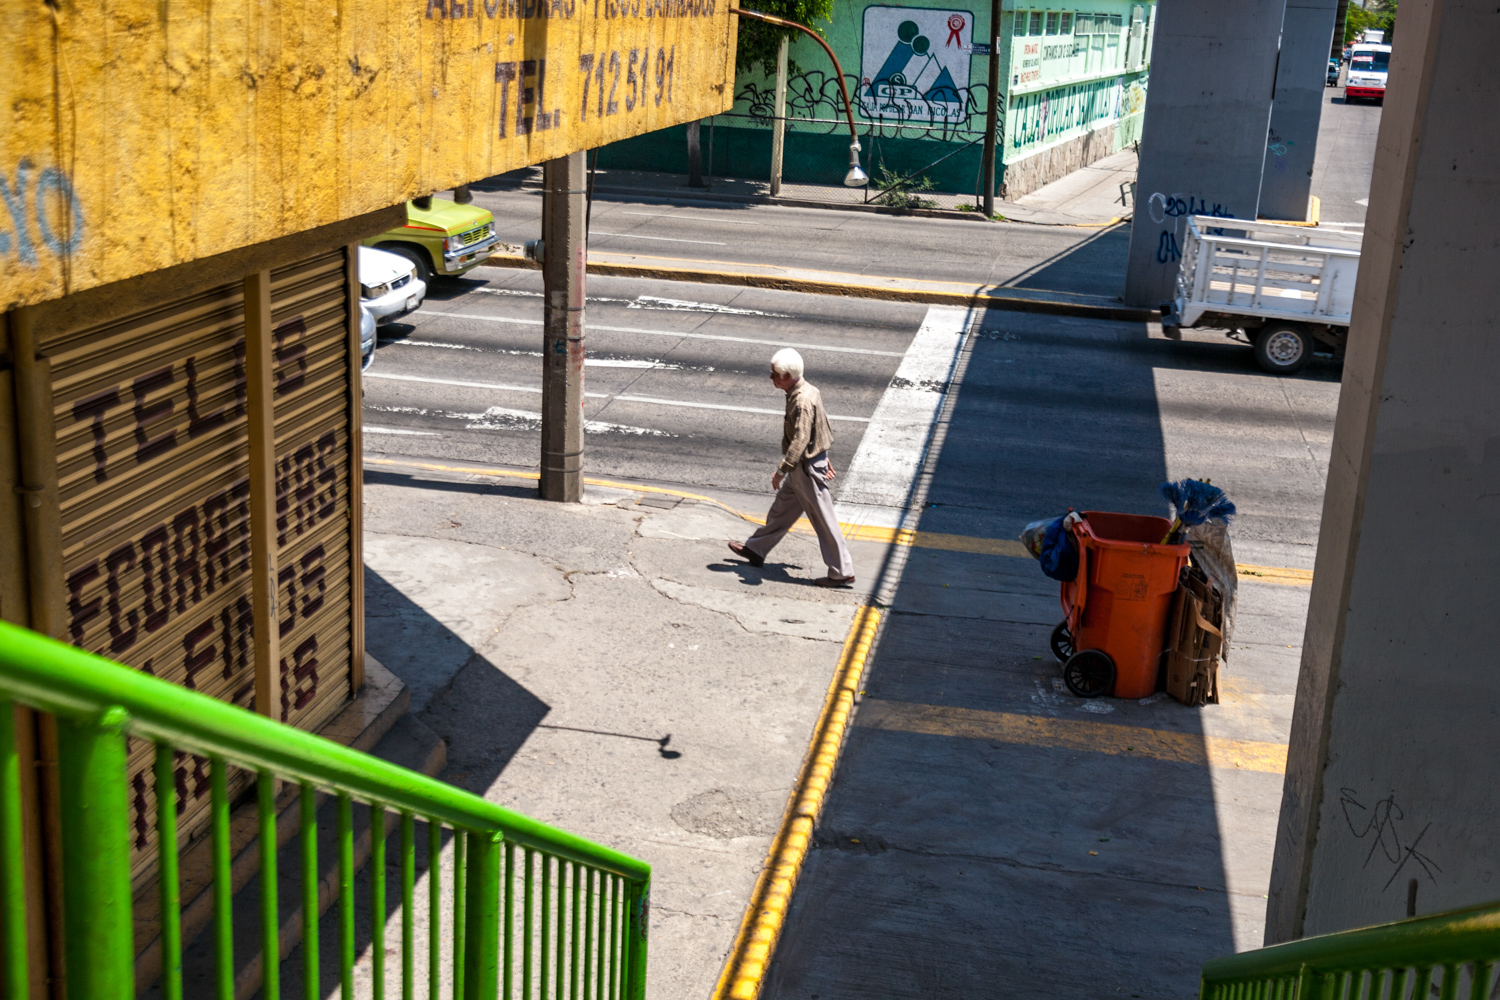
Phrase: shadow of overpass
[958,853]
[1093,266]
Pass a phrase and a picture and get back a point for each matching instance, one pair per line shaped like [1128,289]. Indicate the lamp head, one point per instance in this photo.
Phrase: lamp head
[856,177]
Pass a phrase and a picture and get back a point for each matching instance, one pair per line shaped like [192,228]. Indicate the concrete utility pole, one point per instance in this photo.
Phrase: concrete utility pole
[1203,144]
[695,154]
[1301,79]
[992,113]
[1391,776]
[564,245]
[778,127]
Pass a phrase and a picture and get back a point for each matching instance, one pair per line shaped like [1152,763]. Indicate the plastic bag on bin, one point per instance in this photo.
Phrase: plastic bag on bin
[1051,541]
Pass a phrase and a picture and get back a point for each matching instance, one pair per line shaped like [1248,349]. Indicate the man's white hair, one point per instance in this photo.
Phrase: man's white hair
[787,362]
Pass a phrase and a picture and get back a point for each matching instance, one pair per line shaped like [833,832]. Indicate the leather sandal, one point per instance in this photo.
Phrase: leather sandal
[738,548]
[834,581]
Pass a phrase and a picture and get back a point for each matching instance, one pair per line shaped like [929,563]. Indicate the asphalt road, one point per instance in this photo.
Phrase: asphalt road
[1060,258]
[678,392]
[677,376]
[1346,156]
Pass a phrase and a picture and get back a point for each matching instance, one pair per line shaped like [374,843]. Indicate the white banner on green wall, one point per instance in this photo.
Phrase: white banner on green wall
[914,64]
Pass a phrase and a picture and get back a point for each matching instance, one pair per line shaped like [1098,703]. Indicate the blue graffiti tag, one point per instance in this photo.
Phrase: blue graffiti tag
[25,202]
[1162,207]
[1166,248]
[1279,149]
[53,179]
[15,202]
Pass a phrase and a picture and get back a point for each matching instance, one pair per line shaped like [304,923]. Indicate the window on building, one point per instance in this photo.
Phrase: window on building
[1067,24]
[1052,22]
[1020,25]
[1135,37]
[1036,23]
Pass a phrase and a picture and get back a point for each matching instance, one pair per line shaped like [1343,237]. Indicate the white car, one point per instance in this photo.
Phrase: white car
[366,337]
[388,284]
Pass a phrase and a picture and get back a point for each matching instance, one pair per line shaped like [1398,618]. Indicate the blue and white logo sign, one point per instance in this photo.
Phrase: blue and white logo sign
[915,64]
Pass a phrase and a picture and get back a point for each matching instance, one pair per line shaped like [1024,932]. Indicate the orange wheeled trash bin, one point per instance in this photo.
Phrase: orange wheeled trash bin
[1117,606]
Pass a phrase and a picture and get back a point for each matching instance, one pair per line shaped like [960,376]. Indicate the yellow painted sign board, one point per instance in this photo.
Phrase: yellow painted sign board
[139,134]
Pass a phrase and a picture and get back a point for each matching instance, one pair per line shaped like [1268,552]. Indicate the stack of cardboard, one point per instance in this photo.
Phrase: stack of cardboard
[1195,640]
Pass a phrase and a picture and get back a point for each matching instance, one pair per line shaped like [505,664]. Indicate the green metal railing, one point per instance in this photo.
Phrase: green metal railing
[533,912]
[1447,955]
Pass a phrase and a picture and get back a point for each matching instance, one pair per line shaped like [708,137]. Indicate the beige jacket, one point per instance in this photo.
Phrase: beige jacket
[804,432]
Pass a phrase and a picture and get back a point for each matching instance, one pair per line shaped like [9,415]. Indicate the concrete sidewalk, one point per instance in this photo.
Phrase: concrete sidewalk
[611,669]
[1088,195]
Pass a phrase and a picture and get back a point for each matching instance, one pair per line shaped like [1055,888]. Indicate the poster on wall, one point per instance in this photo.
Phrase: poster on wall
[914,64]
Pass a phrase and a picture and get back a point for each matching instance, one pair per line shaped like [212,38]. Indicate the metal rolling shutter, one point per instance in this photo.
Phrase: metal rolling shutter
[154,487]
[311,344]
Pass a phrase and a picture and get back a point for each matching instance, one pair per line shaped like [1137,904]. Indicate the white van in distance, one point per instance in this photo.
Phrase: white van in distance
[1368,66]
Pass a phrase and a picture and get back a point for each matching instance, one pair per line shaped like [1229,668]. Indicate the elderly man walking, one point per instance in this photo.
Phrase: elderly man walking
[801,480]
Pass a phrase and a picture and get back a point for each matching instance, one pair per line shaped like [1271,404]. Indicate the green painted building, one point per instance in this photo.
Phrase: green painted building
[1073,91]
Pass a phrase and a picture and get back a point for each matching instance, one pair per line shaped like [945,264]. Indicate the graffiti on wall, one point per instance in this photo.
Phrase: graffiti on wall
[41,214]
[1390,833]
[1279,147]
[914,64]
[1171,212]
[814,104]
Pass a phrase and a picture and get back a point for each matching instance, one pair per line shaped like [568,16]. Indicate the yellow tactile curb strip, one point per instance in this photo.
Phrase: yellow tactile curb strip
[1281,575]
[1202,749]
[985,297]
[756,941]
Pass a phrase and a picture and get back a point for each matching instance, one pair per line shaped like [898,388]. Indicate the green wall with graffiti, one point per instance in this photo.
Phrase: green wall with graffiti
[918,80]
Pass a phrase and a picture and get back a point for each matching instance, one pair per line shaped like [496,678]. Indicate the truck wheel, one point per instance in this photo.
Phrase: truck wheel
[1283,348]
[418,257]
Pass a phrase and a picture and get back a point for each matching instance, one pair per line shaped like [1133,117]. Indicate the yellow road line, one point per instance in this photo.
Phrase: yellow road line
[853,532]
[794,273]
[930,540]
[1073,734]
[989,296]
[1275,574]
[766,912]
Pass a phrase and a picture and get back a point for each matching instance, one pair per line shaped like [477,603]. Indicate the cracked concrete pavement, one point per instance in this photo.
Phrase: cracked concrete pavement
[611,669]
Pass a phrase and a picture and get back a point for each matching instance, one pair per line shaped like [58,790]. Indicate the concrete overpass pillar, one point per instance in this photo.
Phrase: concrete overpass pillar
[1392,774]
[1203,144]
[1301,80]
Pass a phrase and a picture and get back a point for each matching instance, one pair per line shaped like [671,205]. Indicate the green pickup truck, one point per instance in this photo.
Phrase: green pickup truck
[443,240]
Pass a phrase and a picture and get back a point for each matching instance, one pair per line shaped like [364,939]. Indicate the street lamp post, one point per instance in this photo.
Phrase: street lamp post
[856,177]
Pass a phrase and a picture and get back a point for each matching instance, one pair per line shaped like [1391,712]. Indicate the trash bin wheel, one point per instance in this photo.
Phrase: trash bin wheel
[1089,673]
[1062,642]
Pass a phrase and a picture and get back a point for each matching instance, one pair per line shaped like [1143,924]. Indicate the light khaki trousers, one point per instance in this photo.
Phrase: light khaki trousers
[805,491]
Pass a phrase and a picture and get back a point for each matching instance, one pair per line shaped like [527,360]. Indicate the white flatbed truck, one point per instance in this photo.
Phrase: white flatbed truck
[1286,288]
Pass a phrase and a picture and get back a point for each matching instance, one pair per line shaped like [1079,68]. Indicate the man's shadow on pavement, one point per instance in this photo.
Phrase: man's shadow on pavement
[753,576]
